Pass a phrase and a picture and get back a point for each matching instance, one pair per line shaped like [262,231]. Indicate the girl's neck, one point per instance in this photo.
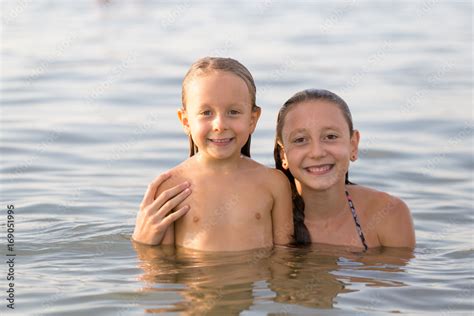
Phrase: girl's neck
[323,204]
[222,166]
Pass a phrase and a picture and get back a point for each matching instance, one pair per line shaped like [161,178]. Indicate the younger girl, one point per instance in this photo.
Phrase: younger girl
[315,143]
[235,201]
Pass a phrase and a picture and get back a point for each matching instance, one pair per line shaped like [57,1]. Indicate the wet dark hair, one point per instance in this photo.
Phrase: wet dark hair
[207,65]
[301,233]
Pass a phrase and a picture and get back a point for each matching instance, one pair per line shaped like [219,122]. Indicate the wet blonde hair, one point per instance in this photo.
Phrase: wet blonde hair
[207,65]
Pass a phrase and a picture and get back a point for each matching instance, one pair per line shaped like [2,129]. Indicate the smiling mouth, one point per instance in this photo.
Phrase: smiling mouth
[320,169]
[221,141]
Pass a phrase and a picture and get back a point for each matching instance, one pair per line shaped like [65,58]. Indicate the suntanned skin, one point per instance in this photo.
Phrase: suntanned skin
[317,148]
[235,211]
[158,212]
[237,203]
[385,221]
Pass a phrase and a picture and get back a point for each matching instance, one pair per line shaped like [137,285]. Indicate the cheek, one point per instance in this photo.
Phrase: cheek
[242,125]
[342,154]
[294,163]
[293,156]
[342,151]
[338,148]
[197,125]
[198,132]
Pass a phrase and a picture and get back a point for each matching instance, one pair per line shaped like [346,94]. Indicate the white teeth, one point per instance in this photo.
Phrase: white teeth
[223,140]
[319,169]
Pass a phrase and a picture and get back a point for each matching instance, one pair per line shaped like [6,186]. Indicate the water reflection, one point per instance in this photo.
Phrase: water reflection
[228,283]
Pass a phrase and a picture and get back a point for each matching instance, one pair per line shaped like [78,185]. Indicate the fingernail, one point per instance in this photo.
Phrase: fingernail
[187,190]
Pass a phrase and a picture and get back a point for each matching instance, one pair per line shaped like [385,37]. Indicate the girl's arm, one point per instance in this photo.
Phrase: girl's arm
[154,224]
[282,212]
[395,229]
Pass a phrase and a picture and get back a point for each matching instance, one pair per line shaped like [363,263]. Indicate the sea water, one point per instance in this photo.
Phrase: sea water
[89,92]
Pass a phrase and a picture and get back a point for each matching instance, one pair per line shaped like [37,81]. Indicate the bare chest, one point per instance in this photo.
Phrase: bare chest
[228,201]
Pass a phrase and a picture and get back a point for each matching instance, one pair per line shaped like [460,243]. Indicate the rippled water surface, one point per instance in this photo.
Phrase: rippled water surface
[89,92]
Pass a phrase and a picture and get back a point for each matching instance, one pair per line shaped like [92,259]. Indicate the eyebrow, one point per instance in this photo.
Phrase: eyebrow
[305,130]
[296,131]
[230,105]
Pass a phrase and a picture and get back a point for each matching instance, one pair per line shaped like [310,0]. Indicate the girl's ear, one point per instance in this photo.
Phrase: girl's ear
[254,116]
[284,160]
[355,145]
[183,118]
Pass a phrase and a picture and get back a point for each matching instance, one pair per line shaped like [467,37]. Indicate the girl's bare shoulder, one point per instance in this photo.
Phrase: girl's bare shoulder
[180,171]
[389,215]
[179,174]
[375,200]
[263,171]
[249,165]
[378,204]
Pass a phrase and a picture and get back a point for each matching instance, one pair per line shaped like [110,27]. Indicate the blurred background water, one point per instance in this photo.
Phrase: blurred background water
[89,92]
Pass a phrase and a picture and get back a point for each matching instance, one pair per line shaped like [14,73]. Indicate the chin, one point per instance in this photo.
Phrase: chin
[221,155]
[320,184]
[319,187]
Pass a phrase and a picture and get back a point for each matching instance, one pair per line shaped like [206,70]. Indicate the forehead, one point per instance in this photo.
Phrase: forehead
[314,114]
[217,87]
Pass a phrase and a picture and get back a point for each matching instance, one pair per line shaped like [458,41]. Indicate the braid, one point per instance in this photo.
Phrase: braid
[301,233]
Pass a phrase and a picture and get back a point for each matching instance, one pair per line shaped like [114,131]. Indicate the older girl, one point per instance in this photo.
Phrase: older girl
[314,145]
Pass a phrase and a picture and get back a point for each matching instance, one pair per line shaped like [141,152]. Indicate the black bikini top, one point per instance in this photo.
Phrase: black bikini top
[356,220]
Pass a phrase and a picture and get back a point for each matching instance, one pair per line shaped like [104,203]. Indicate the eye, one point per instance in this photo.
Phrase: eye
[206,113]
[332,136]
[234,112]
[298,140]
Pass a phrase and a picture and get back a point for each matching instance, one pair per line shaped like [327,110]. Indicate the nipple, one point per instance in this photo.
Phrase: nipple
[257,215]
[195,219]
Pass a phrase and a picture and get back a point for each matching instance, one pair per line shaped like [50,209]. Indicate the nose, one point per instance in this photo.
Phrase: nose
[317,150]
[219,123]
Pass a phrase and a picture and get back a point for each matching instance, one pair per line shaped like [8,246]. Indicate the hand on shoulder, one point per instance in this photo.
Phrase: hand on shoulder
[155,216]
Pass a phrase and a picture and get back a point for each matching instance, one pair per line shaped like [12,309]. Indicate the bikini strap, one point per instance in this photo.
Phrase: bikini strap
[356,220]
